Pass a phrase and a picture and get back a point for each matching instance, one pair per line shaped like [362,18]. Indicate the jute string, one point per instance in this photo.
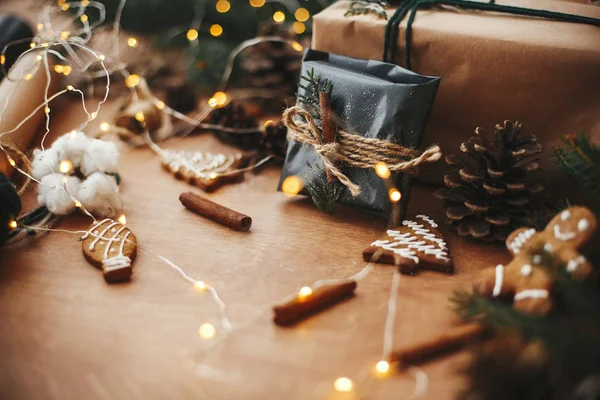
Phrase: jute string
[353,150]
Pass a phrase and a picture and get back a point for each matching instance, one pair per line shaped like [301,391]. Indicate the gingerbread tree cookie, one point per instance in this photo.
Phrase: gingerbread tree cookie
[527,278]
[112,247]
[414,245]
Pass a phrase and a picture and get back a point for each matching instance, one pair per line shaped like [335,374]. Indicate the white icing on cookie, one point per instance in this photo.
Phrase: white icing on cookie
[565,215]
[94,225]
[572,265]
[101,236]
[520,240]
[531,294]
[526,270]
[562,236]
[428,220]
[583,224]
[548,247]
[537,259]
[116,262]
[499,280]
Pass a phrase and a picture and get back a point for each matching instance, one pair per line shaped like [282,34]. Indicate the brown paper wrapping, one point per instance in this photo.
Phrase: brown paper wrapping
[543,73]
[23,97]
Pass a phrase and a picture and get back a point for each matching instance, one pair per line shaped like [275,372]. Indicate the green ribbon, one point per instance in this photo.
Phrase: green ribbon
[406,6]
[10,206]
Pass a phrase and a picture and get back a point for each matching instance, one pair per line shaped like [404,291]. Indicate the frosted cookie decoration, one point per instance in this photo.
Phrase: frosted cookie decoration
[111,246]
[526,279]
[415,244]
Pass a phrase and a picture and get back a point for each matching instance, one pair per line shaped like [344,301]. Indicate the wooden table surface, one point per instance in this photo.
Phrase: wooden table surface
[66,334]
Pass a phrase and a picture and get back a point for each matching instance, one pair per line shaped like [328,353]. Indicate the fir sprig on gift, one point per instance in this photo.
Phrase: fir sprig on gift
[580,159]
[312,89]
[364,7]
[323,193]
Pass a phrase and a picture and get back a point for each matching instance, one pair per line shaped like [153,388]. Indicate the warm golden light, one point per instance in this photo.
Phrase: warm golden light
[105,126]
[132,42]
[213,175]
[64,7]
[93,115]
[216,30]
[395,195]
[28,77]
[84,18]
[12,162]
[61,2]
[139,116]
[200,286]
[32,45]
[73,133]
[278,17]
[58,68]
[292,185]
[223,6]
[220,97]
[47,110]
[38,57]
[101,57]
[70,87]
[302,14]
[78,204]
[212,102]
[160,105]
[257,3]
[191,34]
[382,367]
[298,27]
[269,122]
[343,384]
[122,220]
[40,26]
[207,331]
[382,170]
[65,166]
[85,3]
[132,80]
[67,70]
[12,224]
[305,292]
[65,34]
[297,46]
[2,59]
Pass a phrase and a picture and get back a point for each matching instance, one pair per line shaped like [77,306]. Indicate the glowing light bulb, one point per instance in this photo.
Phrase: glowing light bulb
[212,102]
[395,195]
[191,34]
[47,110]
[61,2]
[64,7]
[343,384]
[58,68]
[297,46]
[38,57]
[382,367]
[223,6]
[11,161]
[122,220]
[278,17]
[65,166]
[160,105]
[28,77]
[305,292]
[382,170]
[70,87]
[220,97]
[269,122]
[78,204]
[67,70]
[32,45]
[302,14]
[105,126]
[298,27]
[40,26]
[73,133]
[200,286]
[207,331]
[132,80]
[213,175]
[84,18]
[65,34]
[216,30]
[101,57]
[2,59]
[12,224]
[132,42]
[93,116]
[292,185]
[139,116]
[257,3]
[85,3]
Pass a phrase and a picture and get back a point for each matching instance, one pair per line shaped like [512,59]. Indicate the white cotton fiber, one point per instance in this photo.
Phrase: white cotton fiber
[53,195]
[44,162]
[100,155]
[99,194]
[72,147]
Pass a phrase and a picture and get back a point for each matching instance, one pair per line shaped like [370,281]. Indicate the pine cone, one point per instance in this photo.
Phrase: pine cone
[489,196]
[272,65]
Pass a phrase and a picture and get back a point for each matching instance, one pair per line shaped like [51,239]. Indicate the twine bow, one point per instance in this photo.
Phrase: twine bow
[353,150]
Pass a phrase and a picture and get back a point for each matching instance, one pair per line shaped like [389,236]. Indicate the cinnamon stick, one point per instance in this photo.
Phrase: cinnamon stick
[453,339]
[303,306]
[328,126]
[216,212]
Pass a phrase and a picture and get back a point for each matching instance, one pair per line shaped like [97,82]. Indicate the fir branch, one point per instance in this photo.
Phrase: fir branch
[322,192]
[313,87]
[364,7]
[580,159]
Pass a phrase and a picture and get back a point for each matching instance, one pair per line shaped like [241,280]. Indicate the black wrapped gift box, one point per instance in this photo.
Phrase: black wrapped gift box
[375,100]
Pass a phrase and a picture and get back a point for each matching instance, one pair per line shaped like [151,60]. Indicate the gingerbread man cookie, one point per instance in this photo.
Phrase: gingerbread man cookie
[526,278]
[112,247]
[414,245]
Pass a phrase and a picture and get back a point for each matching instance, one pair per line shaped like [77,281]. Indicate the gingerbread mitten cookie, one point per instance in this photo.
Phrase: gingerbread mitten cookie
[413,245]
[526,279]
[112,247]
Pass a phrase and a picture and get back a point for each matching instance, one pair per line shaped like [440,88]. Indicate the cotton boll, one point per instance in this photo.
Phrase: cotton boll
[100,156]
[53,195]
[72,147]
[44,162]
[99,194]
